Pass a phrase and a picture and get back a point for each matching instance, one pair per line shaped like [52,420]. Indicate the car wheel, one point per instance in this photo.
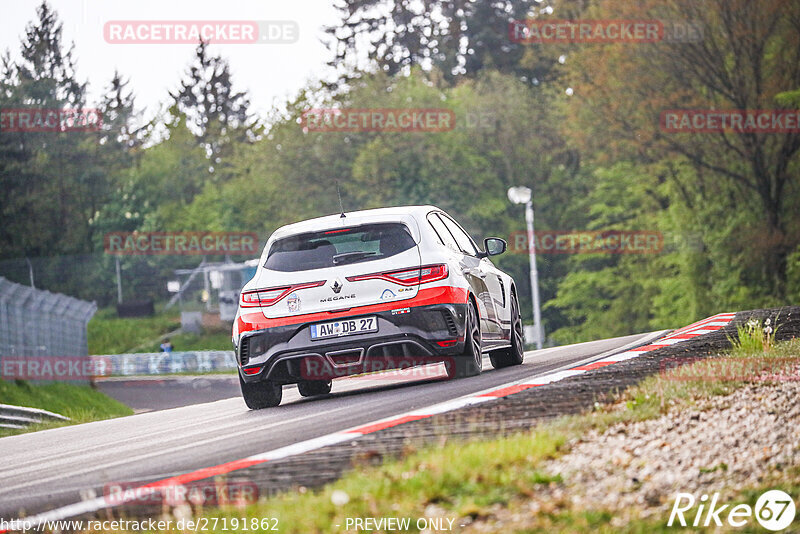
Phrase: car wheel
[312,388]
[516,352]
[469,362]
[261,394]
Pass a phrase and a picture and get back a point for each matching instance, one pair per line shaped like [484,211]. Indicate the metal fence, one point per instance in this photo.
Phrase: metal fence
[36,323]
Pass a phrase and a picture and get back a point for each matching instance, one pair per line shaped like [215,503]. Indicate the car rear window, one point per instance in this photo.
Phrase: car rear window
[342,246]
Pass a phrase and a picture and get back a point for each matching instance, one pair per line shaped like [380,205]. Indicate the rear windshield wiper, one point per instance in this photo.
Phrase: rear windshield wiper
[345,257]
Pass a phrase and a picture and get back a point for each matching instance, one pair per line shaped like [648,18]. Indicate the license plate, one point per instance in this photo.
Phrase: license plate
[347,327]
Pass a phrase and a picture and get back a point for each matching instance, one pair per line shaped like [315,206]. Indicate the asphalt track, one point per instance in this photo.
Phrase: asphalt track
[45,470]
[151,393]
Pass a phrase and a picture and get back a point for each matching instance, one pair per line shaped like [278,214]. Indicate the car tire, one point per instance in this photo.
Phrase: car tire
[514,354]
[261,394]
[312,388]
[469,362]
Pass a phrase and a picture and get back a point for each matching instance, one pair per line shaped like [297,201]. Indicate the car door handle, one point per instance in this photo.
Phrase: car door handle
[475,272]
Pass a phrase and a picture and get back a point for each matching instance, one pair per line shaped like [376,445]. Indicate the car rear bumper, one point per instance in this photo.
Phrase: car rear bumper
[406,336]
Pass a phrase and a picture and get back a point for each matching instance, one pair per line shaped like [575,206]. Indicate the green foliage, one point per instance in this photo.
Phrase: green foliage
[218,339]
[462,478]
[742,195]
[458,39]
[753,336]
[80,403]
[788,98]
[793,275]
[216,113]
[109,334]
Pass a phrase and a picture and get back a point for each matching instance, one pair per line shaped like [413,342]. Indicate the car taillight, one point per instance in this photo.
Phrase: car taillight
[269,296]
[407,277]
[265,297]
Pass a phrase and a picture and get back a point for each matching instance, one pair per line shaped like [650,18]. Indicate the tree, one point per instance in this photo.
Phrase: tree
[748,55]
[217,115]
[115,149]
[456,37]
[47,72]
[40,172]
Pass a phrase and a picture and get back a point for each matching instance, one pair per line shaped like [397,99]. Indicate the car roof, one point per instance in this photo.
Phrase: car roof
[355,218]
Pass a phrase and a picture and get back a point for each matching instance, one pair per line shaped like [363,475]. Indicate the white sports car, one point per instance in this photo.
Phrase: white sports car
[369,291]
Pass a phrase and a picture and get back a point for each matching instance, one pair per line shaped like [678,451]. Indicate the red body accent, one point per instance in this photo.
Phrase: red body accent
[425,297]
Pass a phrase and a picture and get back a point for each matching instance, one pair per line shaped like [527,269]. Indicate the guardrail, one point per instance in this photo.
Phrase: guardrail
[21,416]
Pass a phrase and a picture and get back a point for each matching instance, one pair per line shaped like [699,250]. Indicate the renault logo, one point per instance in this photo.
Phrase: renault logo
[336,286]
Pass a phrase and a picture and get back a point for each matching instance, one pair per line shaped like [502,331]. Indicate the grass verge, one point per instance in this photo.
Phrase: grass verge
[81,404]
[217,339]
[109,334]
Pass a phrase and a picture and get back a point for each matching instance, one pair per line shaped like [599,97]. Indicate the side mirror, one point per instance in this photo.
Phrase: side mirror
[494,246]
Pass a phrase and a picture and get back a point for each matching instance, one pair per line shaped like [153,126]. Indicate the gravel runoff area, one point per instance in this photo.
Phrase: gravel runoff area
[635,470]
[516,413]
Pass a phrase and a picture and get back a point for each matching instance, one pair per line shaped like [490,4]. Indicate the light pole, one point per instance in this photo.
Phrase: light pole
[522,195]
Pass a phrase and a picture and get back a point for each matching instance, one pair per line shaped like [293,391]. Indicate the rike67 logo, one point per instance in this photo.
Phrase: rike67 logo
[774,510]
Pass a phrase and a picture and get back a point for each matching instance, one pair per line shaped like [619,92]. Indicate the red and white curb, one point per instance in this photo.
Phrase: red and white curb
[699,328]
[705,326]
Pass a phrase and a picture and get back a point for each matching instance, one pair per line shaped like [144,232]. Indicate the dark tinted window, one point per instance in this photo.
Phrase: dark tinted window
[317,250]
[444,234]
[464,241]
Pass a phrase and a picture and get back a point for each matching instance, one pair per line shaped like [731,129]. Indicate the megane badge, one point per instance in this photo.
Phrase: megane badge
[336,286]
